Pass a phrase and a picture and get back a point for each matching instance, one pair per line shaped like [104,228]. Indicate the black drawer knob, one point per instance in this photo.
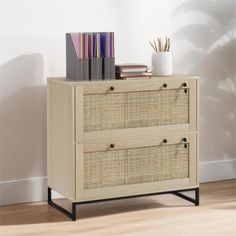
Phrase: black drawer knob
[164,140]
[184,139]
[112,88]
[164,85]
[184,84]
[112,145]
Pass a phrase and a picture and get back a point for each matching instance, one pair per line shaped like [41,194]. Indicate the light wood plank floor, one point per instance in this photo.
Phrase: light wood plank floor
[158,215]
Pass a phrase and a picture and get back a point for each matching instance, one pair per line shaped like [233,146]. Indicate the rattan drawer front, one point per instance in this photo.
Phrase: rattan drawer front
[135,109]
[135,166]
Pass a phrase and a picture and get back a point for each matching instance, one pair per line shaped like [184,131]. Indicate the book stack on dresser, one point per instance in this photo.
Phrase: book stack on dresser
[132,71]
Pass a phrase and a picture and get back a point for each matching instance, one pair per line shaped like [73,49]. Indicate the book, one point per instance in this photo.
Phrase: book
[133,77]
[142,76]
[129,67]
[124,74]
[128,74]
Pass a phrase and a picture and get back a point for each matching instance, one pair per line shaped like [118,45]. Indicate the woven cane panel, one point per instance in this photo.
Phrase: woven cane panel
[135,166]
[135,109]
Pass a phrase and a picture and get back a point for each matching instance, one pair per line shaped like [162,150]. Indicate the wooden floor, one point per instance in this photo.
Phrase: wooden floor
[159,215]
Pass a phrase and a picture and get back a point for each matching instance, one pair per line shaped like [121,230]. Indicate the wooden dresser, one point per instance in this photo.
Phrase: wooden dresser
[122,138]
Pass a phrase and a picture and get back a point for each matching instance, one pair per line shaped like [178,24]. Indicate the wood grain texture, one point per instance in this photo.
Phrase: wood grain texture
[79,172]
[197,127]
[60,141]
[103,144]
[174,77]
[130,86]
[157,215]
[193,103]
[79,111]
[137,132]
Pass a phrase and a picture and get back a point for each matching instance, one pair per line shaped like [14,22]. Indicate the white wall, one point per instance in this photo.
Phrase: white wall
[32,47]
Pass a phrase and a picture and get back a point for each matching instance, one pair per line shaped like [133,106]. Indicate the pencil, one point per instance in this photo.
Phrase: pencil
[155,45]
[165,47]
[152,46]
[159,43]
[168,48]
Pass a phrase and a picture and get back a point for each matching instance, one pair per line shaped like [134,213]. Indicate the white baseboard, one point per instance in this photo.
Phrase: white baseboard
[217,170]
[24,190]
[35,189]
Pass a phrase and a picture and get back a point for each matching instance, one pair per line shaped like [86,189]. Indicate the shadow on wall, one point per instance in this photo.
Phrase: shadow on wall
[212,56]
[22,118]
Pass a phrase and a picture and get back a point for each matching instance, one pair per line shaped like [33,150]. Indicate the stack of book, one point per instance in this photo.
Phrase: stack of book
[132,71]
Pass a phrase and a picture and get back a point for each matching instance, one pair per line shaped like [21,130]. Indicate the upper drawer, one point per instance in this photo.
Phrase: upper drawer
[129,105]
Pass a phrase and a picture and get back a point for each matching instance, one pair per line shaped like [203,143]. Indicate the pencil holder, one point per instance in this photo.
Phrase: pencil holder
[76,68]
[162,63]
[108,68]
[95,68]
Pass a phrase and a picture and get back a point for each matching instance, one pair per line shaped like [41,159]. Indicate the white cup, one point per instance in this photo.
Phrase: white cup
[162,63]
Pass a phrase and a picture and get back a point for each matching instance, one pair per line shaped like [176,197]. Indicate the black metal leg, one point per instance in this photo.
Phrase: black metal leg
[195,201]
[72,214]
[73,211]
[49,195]
[197,197]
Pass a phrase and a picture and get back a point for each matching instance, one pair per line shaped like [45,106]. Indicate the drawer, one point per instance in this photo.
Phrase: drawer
[153,104]
[106,169]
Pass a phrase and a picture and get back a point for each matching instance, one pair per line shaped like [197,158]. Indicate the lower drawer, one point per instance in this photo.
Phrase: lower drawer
[106,170]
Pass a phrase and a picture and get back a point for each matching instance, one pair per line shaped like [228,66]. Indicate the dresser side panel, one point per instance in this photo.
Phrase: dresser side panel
[60,139]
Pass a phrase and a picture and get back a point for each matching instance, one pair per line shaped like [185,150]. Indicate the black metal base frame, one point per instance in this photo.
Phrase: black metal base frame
[72,214]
